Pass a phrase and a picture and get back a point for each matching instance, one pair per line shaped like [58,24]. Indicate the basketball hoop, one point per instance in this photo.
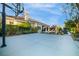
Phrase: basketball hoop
[17,9]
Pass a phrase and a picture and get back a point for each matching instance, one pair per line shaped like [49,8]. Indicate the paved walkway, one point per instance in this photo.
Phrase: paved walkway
[40,45]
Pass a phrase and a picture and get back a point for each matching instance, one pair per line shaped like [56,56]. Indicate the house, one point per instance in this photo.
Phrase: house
[35,23]
[12,20]
[40,25]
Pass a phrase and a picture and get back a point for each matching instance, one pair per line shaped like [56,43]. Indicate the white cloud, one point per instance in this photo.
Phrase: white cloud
[46,7]
[50,8]
[50,21]
[39,5]
[39,19]
[55,12]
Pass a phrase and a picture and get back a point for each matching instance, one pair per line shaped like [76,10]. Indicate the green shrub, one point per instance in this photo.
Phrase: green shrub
[34,29]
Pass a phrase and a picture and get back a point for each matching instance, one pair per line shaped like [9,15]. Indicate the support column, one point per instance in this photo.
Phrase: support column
[41,27]
[3,25]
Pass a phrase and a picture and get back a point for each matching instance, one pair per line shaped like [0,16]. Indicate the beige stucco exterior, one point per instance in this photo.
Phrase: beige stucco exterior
[13,21]
[77,26]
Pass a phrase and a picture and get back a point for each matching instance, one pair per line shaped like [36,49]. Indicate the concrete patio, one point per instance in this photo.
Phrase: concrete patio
[40,45]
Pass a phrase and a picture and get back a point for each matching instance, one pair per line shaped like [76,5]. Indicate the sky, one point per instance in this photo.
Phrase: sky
[48,13]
